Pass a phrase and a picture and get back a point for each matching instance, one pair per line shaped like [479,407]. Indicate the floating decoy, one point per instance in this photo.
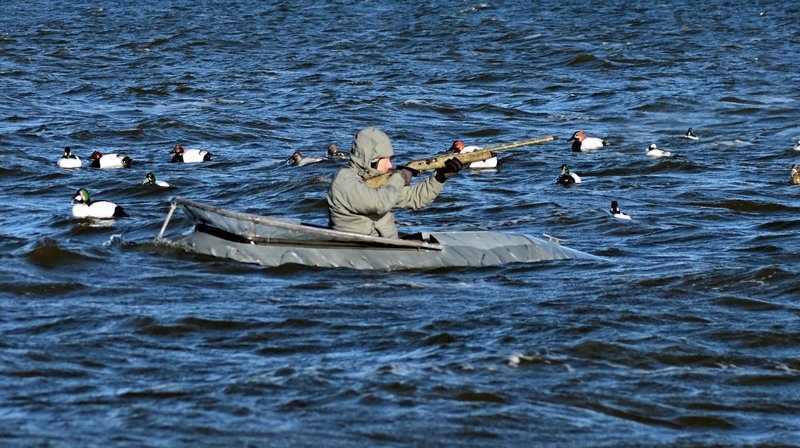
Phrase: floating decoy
[85,208]
[69,160]
[189,155]
[583,143]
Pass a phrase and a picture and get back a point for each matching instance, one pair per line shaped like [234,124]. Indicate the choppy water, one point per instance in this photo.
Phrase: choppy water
[685,334]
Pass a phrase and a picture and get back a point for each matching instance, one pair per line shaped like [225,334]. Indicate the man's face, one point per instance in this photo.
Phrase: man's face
[384,165]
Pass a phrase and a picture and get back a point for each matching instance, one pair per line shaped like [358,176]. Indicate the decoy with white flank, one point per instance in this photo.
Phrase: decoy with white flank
[189,155]
[69,160]
[110,160]
[582,143]
[150,179]
[297,159]
[567,177]
[797,146]
[616,212]
[654,152]
[85,208]
[690,135]
[458,147]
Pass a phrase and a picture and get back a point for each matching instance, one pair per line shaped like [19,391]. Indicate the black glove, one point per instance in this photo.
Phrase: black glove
[407,173]
[451,168]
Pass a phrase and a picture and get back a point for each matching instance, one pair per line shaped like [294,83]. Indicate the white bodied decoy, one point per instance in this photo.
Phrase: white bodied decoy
[582,143]
[69,160]
[85,208]
[110,160]
[654,152]
[616,212]
[189,155]
[458,147]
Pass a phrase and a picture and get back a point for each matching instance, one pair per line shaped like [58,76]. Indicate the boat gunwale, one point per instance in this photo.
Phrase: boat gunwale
[317,244]
[331,235]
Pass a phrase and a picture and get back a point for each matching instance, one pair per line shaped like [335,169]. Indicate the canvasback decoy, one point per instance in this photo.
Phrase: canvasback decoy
[69,160]
[797,146]
[189,155]
[653,151]
[110,160]
[334,153]
[583,143]
[690,134]
[85,208]
[567,177]
[150,179]
[297,159]
[458,147]
[616,212]
[795,176]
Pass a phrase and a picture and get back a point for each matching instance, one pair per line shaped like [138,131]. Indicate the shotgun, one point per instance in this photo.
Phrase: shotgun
[432,163]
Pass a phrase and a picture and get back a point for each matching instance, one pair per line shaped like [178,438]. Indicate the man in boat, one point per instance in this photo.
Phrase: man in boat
[356,207]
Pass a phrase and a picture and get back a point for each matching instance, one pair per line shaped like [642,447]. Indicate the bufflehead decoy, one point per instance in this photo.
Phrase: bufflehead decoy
[653,151]
[616,212]
[69,160]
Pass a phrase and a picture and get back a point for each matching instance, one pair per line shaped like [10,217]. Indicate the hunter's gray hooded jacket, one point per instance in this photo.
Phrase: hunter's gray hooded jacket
[355,207]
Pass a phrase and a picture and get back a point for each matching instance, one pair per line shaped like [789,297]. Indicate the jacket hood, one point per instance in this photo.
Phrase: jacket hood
[369,144]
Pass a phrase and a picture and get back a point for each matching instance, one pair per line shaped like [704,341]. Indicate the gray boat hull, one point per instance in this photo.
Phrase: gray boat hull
[273,242]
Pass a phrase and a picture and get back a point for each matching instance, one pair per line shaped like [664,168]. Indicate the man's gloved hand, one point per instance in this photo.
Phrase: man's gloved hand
[407,173]
[451,168]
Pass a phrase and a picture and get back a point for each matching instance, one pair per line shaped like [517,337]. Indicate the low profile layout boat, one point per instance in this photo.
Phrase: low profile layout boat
[272,242]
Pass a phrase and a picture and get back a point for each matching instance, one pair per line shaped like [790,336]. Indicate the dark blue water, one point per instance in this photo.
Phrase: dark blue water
[684,334]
